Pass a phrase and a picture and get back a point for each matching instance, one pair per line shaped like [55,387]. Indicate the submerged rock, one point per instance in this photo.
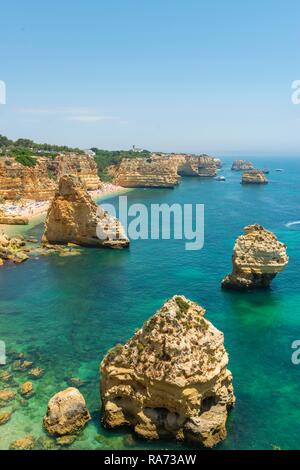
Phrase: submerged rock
[242,165]
[25,443]
[7,395]
[257,258]
[254,177]
[26,389]
[67,413]
[5,417]
[170,379]
[74,217]
[36,373]
[66,440]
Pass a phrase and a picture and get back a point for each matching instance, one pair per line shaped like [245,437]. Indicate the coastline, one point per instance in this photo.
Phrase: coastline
[36,211]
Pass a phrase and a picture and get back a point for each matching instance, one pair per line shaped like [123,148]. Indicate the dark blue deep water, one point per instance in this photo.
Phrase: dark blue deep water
[66,312]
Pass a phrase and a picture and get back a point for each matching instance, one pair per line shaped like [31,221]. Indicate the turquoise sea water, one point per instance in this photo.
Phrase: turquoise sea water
[65,313]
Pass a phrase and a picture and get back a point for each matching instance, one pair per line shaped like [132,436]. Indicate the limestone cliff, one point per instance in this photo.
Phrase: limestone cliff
[19,181]
[203,165]
[146,173]
[242,165]
[82,166]
[254,177]
[257,258]
[73,217]
[171,378]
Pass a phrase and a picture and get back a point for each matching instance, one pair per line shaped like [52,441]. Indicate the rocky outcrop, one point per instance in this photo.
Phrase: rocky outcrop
[191,165]
[19,181]
[67,413]
[10,219]
[82,166]
[257,258]
[12,249]
[254,177]
[242,165]
[170,379]
[146,173]
[74,217]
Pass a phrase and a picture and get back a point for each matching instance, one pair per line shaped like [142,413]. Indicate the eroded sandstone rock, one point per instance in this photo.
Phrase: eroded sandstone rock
[257,258]
[13,249]
[254,177]
[171,378]
[74,217]
[67,413]
[242,165]
[146,173]
[25,443]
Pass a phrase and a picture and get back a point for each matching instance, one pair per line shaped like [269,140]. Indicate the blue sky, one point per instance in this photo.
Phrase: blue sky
[173,75]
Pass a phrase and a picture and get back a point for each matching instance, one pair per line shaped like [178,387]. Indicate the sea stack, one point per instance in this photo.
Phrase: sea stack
[74,217]
[171,378]
[254,177]
[257,257]
[241,165]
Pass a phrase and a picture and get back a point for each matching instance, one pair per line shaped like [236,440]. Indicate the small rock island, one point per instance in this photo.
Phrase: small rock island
[171,378]
[241,165]
[74,217]
[254,177]
[257,258]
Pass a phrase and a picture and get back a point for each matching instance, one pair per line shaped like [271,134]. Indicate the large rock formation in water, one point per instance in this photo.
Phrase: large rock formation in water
[67,413]
[254,177]
[74,217]
[146,173]
[170,379]
[257,258]
[242,165]
[193,165]
[19,181]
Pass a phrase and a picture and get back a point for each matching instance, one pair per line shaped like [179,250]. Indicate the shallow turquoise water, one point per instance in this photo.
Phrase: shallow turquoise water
[64,313]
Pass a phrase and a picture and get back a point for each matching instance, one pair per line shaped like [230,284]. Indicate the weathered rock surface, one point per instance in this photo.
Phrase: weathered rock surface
[26,389]
[254,177]
[242,165]
[258,257]
[170,379]
[12,249]
[82,166]
[74,217]
[5,417]
[67,413]
[191,165]
[19,181]
[146,173]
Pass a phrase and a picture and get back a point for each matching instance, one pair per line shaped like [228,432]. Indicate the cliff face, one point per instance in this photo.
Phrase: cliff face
[40,182]
[254,177]
[18,181]
[164,170]
[257,258]
[146,173]
[202,165]
[170,379]
[73,217]
[241,165]
[82,166]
